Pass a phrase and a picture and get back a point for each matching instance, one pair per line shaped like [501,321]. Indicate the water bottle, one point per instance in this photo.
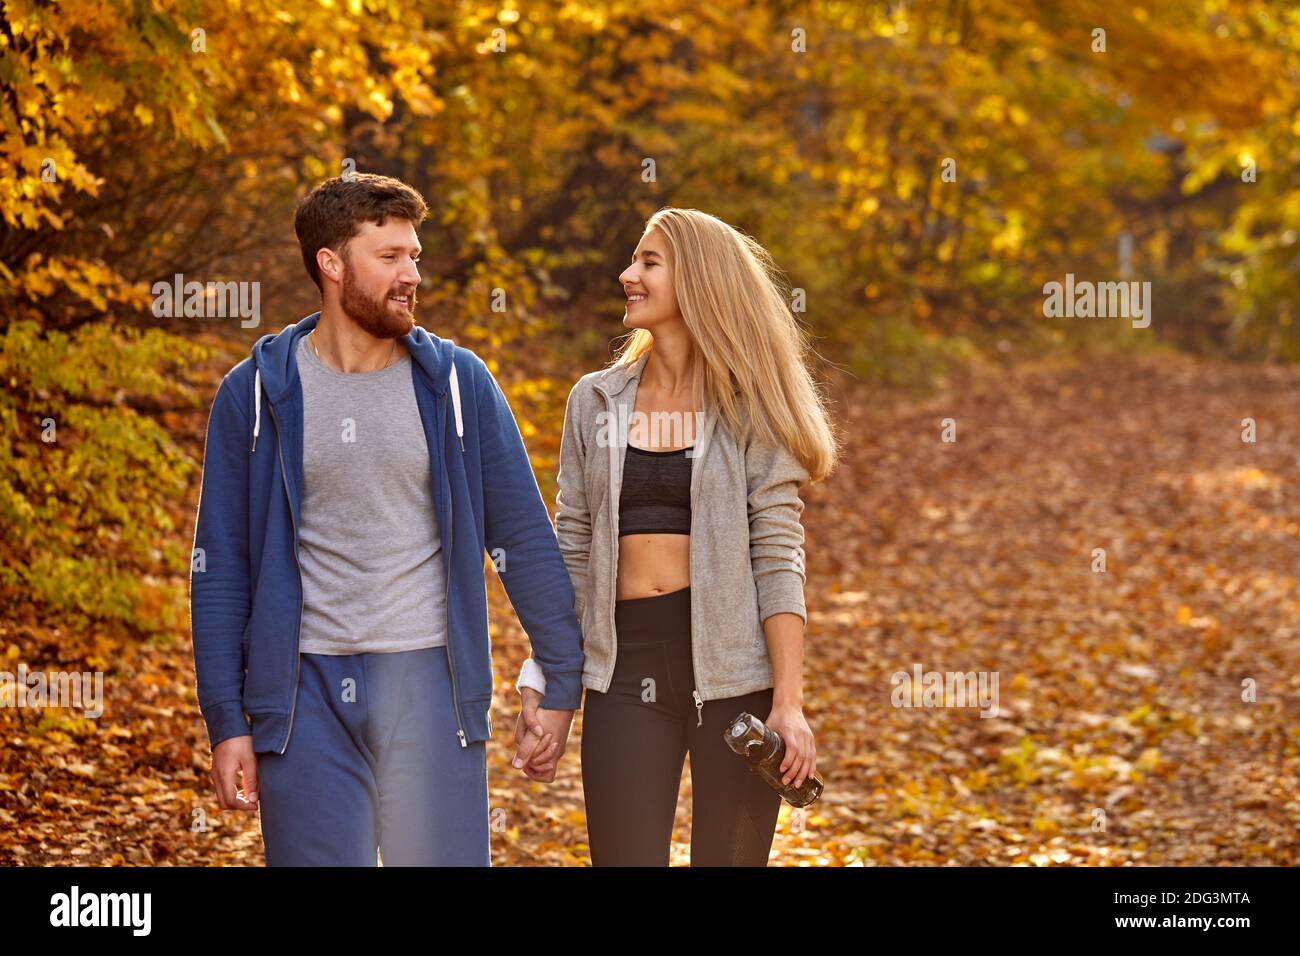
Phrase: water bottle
[763,749]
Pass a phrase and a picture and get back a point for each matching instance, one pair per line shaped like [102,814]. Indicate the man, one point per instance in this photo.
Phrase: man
[355,470]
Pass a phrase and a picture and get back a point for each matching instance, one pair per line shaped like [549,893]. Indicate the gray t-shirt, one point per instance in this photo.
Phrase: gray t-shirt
[372,565]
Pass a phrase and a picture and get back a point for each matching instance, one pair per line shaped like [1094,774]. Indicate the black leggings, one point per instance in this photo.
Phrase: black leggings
[635,738]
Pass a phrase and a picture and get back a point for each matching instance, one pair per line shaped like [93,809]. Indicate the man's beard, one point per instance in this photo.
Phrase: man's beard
[377,316]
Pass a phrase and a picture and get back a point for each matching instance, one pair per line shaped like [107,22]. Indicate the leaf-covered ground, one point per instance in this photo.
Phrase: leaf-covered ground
[1122,737]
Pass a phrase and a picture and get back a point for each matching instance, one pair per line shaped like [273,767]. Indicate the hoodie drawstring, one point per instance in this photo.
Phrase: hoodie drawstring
[257,405]
[455,402]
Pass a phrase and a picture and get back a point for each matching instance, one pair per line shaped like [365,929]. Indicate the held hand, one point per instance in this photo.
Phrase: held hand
[234,757]
[532,740]
[800,750]
[543,763]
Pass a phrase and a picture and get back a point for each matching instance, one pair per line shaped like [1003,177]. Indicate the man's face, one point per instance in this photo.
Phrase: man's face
[379,278]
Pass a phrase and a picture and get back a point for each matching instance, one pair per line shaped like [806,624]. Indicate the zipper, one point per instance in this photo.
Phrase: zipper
[612,499]
[451,536]
[297,662]
[695,496]
[293,705]
[613,510]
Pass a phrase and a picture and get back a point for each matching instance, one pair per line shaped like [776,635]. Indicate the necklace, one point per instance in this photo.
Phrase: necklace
[312,337]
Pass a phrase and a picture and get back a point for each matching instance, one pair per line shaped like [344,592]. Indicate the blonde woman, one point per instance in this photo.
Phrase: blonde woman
[678,519]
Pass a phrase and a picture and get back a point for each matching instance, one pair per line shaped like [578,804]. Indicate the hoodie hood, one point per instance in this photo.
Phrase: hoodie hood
[276,366]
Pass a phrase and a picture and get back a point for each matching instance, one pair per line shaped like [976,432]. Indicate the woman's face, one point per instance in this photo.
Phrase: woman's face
[648,282]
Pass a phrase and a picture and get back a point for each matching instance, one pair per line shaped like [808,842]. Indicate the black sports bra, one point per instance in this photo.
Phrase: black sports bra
[656,494]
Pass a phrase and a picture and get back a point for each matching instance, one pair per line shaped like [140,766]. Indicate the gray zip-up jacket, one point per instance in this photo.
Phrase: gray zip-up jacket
[747,557]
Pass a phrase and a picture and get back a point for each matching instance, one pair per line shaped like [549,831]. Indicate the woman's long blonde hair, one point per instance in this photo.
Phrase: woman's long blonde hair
[734,302]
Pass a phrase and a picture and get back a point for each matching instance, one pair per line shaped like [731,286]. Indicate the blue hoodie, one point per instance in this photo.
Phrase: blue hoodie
[245,582]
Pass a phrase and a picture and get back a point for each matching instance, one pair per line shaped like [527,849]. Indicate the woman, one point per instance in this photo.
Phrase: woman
[678,518]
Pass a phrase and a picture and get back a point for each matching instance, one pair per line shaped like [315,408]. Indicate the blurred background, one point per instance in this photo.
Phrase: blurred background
[919,170]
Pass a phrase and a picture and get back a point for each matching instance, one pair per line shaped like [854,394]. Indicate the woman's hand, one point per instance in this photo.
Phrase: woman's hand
[800,750]
[535,746]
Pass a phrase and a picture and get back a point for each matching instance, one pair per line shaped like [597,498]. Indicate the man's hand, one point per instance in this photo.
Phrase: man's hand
[234,756]
[531,737]
[540,736]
